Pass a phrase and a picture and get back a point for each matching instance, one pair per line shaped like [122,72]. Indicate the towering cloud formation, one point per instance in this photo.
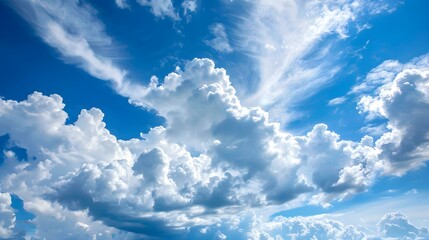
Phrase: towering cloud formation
[402,97]
[212,156]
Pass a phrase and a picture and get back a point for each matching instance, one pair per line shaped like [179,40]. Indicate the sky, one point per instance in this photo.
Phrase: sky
[223,119]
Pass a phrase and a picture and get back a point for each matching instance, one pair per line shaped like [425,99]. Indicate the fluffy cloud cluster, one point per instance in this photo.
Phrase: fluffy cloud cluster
[213,158]
[401,97]
[390,226]
[7,216]
[300,228]
[397,226]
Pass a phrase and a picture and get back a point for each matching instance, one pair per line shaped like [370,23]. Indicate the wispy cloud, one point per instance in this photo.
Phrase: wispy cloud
[72,28]
[337,101]
[220,41]
[286,41]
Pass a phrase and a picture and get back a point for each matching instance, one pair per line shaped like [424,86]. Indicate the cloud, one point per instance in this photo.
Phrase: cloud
[212,156]
[189,6]
[83,43]
[220,40]
[121,4]
[402,98]
[396,225]
[390,226]
[305,228]
[7,216]
[212,160]
[287,41]
[337,101]
[160,8]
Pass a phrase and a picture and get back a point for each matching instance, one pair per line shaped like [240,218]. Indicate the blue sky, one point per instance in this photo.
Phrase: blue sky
[226,119]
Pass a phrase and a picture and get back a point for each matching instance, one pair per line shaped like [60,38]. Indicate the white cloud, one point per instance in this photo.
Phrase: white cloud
[402,98]
[212,155]
[220,40]
[189,6]
[390,226]
[396,225]
[7,216]
[305,228]
[281,35]
[161,8]
[337,101]
[83,43]
[121,4]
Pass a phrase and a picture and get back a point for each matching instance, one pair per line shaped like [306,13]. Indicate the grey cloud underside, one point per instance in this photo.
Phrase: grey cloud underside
[401,96]
[213,159]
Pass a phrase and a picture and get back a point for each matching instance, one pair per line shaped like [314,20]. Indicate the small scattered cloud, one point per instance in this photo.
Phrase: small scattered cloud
[122,4]
[161,8]
[220,41]
[189,6]
[337,101]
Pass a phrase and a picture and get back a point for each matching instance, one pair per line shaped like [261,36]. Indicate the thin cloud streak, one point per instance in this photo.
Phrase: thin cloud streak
[281,38]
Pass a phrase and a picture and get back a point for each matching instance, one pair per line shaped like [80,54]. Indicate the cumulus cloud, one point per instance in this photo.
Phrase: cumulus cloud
[214,158]
[7,216]
[220,41]
[390,226]
[160,8]
[298,228]
[396,226]
[213,155]
[401,97]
